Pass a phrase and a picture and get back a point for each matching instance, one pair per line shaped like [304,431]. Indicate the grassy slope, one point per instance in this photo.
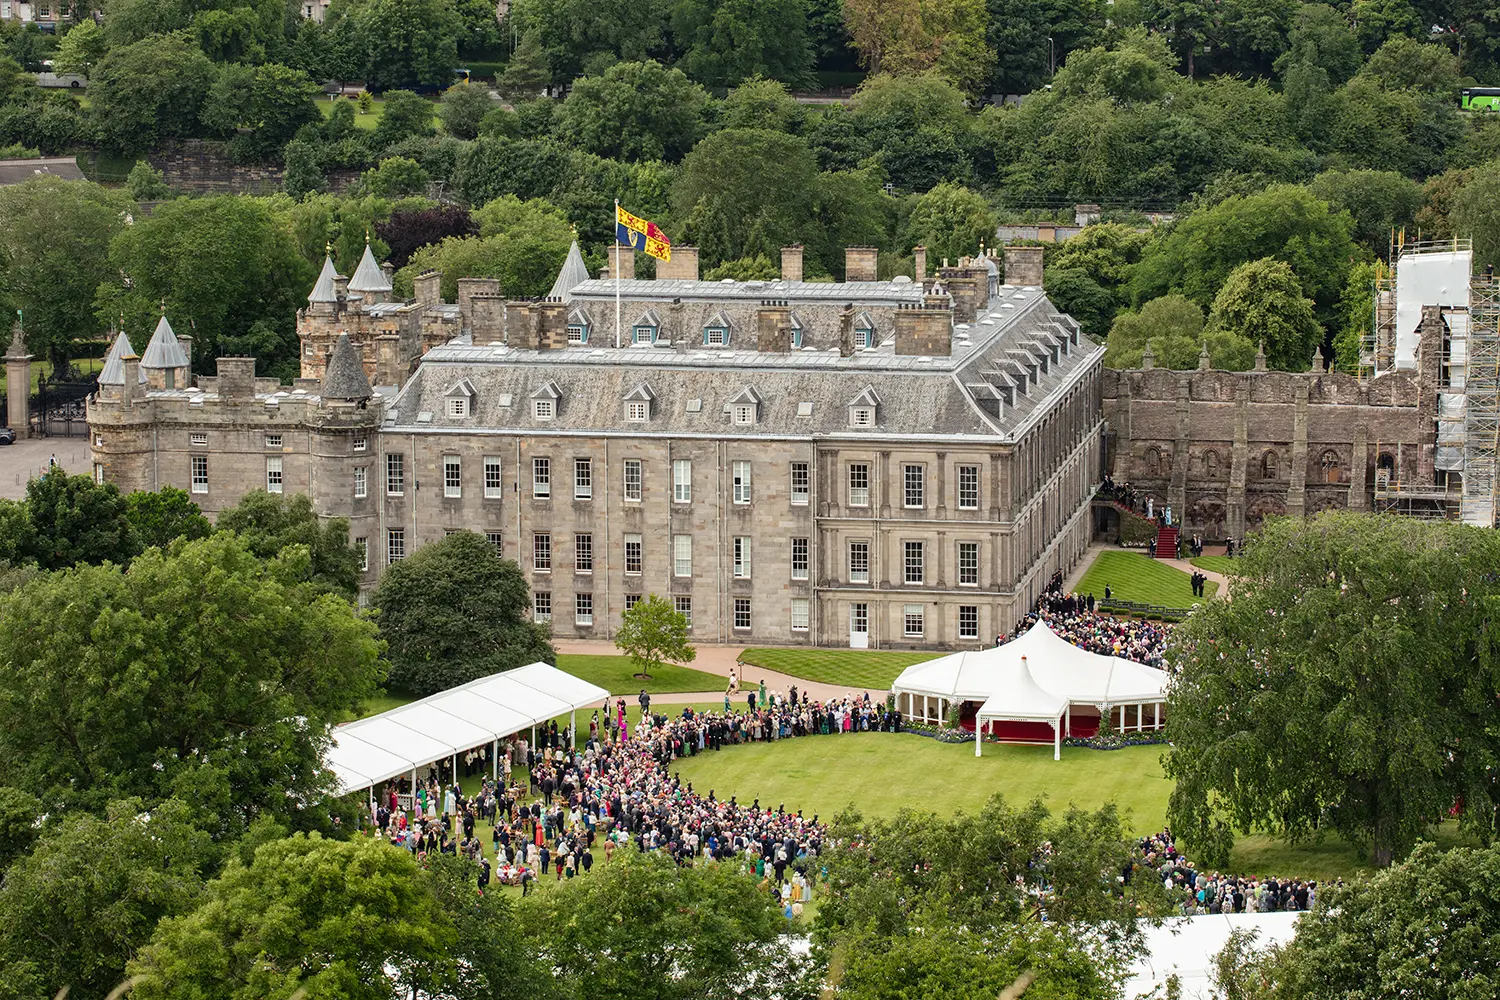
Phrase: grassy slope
[1133,577]
[855,669]
[1214,564]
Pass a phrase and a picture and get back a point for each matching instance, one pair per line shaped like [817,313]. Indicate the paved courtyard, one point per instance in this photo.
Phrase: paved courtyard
[24,459]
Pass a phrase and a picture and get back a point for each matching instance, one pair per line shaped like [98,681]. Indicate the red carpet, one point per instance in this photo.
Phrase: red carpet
[1034,732]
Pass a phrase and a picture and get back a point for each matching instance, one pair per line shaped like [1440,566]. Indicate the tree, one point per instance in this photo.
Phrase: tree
[653,633]
[463,107]
[744,192]
[270,523]
[758,268]
[76,520]
[1321,39]
[408,230]
[150,90]
[1404,63]
[146,183]
[1358,316]
[162,517]
[492,958]
[762,103]
[405,115]
[1423,929]
[89,895]
[1172,325]
[408,43]
[904,37]
[1476,213]
[581,37]
[303,176]
[951,221]
[455,610]
[227,267]
[294,919]
[920,126]
[1072,291]
[1262,303]
[670,932]
[203,672]
[396,177]
[80,49]
[20,824]
[725,42]
[261,108]
[1378,201]
[54,251]
[1017,32]
[526,73]
[525,263]
[635,111]
[1281,724]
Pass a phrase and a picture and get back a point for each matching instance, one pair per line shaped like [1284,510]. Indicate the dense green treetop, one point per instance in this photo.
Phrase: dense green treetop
[635,111]
[271,522]
[653,633]
[1261,303]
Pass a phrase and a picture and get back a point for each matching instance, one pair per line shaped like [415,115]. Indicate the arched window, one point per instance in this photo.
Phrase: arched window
[1329,463]
[1268,465]
[1211,462]
[1153,462]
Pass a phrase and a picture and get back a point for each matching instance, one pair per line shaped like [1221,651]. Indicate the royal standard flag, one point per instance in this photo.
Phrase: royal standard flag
[633,231]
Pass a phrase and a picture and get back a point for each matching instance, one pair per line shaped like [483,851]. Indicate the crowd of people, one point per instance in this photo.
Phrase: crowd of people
[1202,892]
[1073,617]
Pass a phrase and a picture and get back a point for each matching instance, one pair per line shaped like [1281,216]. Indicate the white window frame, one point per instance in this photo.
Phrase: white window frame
[275,474]
[914,487]
[395,545]
[494,485]
[859,618]
[541,551]
[583,609]
[859,496]
[740,472]
[541,478]
[453,477]
[801,562]
[968,499]
[715,336]
[583,552]
[198,473]
[914,563]
[635,555]
[914,621]
[968,569]
[99,473]
[458,406]
[859,551]
[362,548]
[198,440]
[631,600]
[801,483]
[682,480]
[744,414]
[971,631]
[864,336]
[634,473]
[361,443]
[583,479]
[543,409]
[682,555]
[638,411]
[538,599]
[801,614]
[578,333]
[861,416]
[273,440]
[683,605]
[741,557]
[742,607]
[361,482]
[495,538]
[642,335]
[395,474]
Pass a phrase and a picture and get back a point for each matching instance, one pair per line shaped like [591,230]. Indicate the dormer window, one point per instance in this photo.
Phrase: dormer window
[643,335]
[744,414]
[716,331]
[458,399]
[543,409]
[646,328]
[744,407]
[796,332]
[578,327]
[862,408]
[637,411]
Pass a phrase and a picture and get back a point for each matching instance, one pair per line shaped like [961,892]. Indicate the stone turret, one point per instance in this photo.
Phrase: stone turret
[165,363]
[344,377]
[369,280]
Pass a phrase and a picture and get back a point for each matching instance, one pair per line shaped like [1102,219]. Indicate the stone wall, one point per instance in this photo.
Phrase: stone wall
[203,167]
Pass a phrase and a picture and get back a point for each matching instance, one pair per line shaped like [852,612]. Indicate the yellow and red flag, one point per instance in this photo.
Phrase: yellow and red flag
[633,231]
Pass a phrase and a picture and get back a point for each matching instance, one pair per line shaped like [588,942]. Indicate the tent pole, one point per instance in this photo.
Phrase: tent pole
[1069,713]
[978,734]
[455,767]
[1057,740]
[495,759]
[1156,715]
[573,729]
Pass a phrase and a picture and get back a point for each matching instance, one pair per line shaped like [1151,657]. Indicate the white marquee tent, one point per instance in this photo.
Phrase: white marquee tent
[440,726]
[1037,677]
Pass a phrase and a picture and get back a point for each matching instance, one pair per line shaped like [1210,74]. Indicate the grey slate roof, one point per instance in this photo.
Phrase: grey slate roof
[368,277]
[114,363]
[801,394]
[164,351]
[18,171]
[344,377]
[324,290]
[574,273]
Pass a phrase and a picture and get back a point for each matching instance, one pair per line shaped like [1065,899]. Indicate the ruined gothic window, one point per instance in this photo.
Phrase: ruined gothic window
[1268,465]
[1211,463]
[1329,463]
[1153,462]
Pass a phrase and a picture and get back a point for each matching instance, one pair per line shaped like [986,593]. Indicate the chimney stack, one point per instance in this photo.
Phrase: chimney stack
[773,327]
[467,289]
[683,265]
[920,255]
[427,288]
[236,381]
[860,263]
[846,330]
[622,262]
[791,263]
[924,332]
[1023,266]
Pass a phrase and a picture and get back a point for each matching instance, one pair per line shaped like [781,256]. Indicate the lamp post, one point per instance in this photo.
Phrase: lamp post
[1051,58]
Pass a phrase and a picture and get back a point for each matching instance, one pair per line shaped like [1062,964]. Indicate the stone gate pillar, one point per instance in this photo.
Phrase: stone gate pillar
[17,384]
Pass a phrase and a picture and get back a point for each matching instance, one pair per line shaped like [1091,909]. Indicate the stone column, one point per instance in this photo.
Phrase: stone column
[1177,487]
[1239,462]
[1358,461]
[1296,494]
[17,385]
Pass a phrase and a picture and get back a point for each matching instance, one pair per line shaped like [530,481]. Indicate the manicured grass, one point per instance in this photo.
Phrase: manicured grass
[81,366]
[364,121]
[852,668]
[616,674]
[1215,564]
[1131,576]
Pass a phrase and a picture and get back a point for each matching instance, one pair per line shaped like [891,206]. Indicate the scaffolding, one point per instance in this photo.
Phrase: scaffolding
[1482,414]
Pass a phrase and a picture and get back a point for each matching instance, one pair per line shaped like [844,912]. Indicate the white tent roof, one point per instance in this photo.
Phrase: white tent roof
[1052,665]
[369,751]
[1186,946]
[1019,698]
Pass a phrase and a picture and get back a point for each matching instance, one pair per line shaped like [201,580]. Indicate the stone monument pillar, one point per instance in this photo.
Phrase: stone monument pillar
[17,385]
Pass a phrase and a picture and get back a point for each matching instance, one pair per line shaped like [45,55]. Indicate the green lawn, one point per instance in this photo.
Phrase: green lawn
[852,668]
[369,121]
[616,674]
[880,773]
[81,366]
[1131,576]
[1214,564]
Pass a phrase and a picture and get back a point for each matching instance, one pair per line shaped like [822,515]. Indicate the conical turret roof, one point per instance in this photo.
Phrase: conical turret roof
[164,351]
[574,273]
[344,378]
[368,277]
[114,362]
[325,290]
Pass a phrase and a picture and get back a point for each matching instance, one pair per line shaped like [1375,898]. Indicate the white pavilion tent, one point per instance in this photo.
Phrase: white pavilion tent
[1036,677]
[440,726]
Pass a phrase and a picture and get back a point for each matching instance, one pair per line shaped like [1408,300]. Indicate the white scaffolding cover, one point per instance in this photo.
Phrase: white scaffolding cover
[369,751]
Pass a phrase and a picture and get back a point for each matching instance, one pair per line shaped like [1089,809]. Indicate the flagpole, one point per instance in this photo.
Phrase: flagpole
[616,275]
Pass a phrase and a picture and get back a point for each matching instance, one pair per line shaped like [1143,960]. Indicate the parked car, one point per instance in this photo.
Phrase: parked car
[7,436]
